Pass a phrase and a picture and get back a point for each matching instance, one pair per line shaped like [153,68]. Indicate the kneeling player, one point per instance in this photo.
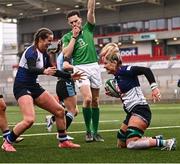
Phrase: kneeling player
[135,105]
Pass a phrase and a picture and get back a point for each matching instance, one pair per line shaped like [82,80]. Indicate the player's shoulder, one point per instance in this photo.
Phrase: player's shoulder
[126,67]
[31,50]
[88,26]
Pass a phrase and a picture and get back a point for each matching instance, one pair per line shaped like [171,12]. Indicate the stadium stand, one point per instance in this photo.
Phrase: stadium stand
[149,38]
[166,74]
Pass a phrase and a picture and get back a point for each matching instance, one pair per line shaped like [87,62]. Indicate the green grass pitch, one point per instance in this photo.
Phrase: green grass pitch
[40,146]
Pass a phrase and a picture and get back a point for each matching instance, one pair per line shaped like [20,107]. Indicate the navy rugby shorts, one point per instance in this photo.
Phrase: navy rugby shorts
[143,111]
[21,89]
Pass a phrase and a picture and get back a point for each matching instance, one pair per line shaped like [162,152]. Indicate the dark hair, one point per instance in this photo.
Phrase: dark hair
[42,33]
[72,13]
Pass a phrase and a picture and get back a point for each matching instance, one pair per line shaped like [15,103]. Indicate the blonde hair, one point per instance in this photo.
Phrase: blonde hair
[111,53]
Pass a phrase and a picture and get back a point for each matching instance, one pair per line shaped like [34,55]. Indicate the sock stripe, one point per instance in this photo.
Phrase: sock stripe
[70,115]
[6,133]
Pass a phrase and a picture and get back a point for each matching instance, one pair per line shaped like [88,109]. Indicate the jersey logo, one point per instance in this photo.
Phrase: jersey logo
[81,42]
[128,68]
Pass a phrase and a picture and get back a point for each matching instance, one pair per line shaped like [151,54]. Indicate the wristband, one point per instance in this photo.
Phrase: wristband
[74,37]
[154,86]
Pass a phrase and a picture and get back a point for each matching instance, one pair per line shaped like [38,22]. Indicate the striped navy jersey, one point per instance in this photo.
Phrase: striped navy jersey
[42,61]
[128,83]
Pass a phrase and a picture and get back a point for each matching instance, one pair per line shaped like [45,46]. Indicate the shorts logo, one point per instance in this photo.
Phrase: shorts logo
[29,92]
[68,83]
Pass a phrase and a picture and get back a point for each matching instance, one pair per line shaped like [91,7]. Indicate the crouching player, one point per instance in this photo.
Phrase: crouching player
[28,92]
[138,116]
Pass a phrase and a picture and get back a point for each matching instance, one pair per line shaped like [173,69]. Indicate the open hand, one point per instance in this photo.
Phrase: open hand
[78,75]
[156,95]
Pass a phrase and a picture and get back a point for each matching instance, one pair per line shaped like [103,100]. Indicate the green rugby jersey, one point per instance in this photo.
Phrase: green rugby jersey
[84,49]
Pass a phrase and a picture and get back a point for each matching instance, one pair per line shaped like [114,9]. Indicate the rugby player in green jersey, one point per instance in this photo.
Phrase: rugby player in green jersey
[79,43]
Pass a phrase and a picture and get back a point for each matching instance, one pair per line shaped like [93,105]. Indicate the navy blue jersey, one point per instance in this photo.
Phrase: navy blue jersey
[128,83]
[42,61]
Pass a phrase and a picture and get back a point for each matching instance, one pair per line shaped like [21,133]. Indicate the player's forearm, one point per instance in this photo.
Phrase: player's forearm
[67,66]
[62,74]
[91,11]
[32,67]
[67,51]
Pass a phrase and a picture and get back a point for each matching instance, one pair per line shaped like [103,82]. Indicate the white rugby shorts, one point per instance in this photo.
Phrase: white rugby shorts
[93,75]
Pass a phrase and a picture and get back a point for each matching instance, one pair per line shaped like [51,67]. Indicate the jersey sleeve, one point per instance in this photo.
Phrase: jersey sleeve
[89,26]
[59,61]
[137,70]
[31,54]
[62,74]
[31,62]
[65,40]
[47,61]
[31,57]
[134,71]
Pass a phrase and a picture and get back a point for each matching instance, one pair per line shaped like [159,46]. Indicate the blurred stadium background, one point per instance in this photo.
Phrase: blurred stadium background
[147,32]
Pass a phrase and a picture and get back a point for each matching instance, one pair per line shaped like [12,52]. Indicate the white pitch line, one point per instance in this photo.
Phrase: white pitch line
[81,122]
[108,130]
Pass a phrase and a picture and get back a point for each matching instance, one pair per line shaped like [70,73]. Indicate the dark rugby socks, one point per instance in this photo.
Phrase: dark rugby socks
[69,119]
[95,119]
[87,114]
[11,137]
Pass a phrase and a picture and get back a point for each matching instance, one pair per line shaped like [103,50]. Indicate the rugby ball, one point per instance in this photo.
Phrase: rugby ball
[112,88]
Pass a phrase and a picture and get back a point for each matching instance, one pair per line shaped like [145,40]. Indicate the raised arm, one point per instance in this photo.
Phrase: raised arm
[91,11]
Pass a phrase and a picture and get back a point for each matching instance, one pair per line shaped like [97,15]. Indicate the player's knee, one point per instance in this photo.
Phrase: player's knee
[95,101]
[73,109]
[2,107]
[87,101]
[121,135]
[59,113]
[28,122]
[76,112]
[133,132]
